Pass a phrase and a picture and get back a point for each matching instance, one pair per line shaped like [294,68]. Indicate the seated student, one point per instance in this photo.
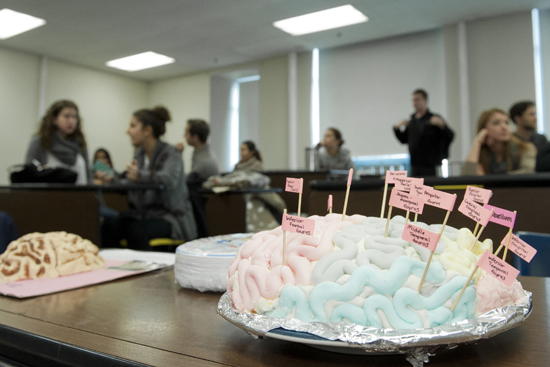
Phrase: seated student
[153,214]
[60,141]
[329,153]
[203,162]
[102,167]
[524,115]
[251,159]
[495,150]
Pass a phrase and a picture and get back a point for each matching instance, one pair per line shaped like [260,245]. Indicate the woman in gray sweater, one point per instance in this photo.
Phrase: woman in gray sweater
[163,213]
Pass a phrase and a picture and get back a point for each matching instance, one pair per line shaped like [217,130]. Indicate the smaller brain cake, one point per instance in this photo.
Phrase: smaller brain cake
[48,255]
[349,272]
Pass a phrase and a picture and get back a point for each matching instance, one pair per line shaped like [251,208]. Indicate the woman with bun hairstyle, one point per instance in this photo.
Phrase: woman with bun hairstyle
[60,141]
[251,159]
[495,150]
[163,213]
[329,153]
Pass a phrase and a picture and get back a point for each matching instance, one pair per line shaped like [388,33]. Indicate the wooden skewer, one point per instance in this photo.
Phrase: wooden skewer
[284,242]
[479,233]
[300,198]
[432,254]
[464,288]
[415,217]
[407,217]
[507,244]
[384,200]
[476,228]
[388,222]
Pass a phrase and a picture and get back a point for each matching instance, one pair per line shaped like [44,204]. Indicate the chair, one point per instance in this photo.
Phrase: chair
[538,266]
[159,244]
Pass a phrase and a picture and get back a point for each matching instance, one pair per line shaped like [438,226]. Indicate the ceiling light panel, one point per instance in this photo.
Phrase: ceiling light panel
[322,20]
[13,23]
[141,61]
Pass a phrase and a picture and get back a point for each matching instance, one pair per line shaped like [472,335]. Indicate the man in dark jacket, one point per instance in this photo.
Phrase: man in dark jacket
[428,137]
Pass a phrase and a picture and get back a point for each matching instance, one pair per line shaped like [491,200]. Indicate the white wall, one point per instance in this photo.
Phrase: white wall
[500,63]
[365,89]
[19,78]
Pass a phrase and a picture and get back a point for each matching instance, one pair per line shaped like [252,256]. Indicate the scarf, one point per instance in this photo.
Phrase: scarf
[64,149]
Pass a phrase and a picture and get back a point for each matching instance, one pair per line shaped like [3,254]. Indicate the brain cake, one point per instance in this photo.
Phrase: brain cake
[48,255]
[349,272]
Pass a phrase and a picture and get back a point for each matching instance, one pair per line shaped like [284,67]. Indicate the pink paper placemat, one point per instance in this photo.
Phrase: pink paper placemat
[39,287]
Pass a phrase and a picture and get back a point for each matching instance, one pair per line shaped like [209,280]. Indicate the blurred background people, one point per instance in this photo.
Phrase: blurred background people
[60,141]
[427,135]
[203,162]
[524,115]
[251,159]
[329,153]
[153,214]
[495,150]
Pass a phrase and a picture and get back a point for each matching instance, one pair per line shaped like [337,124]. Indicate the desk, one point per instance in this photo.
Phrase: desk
[149,320]
[59,207]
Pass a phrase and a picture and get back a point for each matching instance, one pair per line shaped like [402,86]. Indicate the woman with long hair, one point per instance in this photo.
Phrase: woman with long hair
[165,213]
[329,153]
[60,141]
[251,159]
[495,150]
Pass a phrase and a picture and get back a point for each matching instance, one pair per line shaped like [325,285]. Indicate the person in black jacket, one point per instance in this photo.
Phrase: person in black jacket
[427,134]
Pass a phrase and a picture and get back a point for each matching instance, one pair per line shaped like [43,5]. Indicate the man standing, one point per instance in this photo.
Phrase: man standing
[428,137]
[524,115]
[203,162]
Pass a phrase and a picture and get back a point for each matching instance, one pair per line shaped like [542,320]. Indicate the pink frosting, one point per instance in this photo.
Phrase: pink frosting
[494,294]
[258,266]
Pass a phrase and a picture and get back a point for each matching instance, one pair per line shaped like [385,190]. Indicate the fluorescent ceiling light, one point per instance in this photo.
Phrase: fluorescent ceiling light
[321,20]
[13,23]
[141,61]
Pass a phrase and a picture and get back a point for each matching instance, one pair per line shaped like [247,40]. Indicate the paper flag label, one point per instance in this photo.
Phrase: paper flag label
[350,176]
[438,198]
[417,190]
[390,175]
[520,248]
[498,268]
[294,185]
[296,224]
[420,236]
[406,183]
[502,216]
[405,201]
[478,195]
[475,211]
[329,202]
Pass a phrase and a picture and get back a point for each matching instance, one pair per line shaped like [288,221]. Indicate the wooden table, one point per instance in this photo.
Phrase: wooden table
[150,320]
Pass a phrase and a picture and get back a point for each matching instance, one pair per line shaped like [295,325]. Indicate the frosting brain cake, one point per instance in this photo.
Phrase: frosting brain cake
[48,255]
[348,272]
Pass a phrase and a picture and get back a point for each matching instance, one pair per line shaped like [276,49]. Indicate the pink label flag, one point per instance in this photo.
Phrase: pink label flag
[294,185]
[296,224]
[475,212]
[498,268]
[329,202]
[406,183]
[502,216]
[478,195]
[350,176]
[420,236]
[402,200]
[391,175]
[417,189]
[520,248]
[438,198]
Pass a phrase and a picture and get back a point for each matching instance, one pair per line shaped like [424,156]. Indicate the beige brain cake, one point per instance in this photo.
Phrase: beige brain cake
[48,255]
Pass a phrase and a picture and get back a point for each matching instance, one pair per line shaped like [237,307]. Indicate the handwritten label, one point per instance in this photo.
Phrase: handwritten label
[520,248]
[420,236]
[417,190]
[391,175]
[350,176]
[478,195]
[329,204]
[296,224]
[294,185]
[498,268]
[437,198]
[407,183]
[502,216]
[475,212]
[402,200]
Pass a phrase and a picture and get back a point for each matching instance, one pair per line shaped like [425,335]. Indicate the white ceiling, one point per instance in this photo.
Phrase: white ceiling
[205,34]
